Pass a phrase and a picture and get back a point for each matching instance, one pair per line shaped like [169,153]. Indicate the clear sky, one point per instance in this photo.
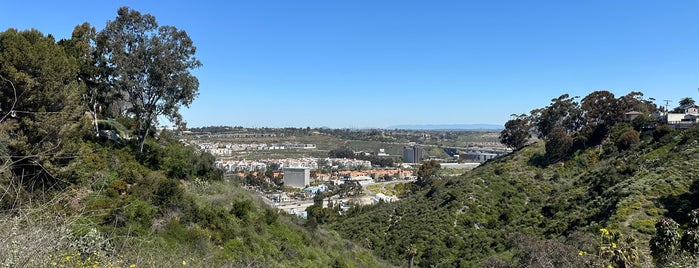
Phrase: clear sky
[375,63]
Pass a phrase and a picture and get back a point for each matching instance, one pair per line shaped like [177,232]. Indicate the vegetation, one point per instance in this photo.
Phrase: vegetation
[516,132]
[588,195]
[147,66]
[73,197]
[597,190]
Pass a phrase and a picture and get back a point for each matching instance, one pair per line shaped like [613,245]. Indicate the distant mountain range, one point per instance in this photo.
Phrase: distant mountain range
[449,127]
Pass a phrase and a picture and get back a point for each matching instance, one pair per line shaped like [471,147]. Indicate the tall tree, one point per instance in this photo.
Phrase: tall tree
[516,132]
[634,101]
[90,73]
[39,106]
[428,171]
[563,112]
[601,108]
[601,111]
[558,145]
[686,101]
[150,66]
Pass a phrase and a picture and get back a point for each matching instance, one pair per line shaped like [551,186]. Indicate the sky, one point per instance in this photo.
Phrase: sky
[380,63]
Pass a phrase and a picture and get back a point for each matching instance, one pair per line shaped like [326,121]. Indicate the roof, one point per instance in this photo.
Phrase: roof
[687,106]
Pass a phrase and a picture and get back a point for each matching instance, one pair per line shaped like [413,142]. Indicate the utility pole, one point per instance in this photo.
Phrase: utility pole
[667,102]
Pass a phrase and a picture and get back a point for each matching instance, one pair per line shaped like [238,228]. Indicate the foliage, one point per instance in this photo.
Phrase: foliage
[39,100]
[473,215]
[516,132]
[71,199]
[558,145]
[686,101]
[665,242]
[661,131]
[628,139]
[616,250]
[150,67]
[341,153]
[563,112]
[668,248]
[601,111]
[428,171]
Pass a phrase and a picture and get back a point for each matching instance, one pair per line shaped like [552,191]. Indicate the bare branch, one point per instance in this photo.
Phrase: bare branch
[13,103]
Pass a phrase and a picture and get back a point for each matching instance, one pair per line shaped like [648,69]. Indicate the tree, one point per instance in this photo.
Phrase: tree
[97,95]
[516,132]
[563,112]
[558,145]
[341,153]
[39,107]
[686,101]
[427,172]
[150,67]
[634,101]
[601,111]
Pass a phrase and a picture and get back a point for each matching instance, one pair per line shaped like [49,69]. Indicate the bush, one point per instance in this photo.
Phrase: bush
[661,131]
[167,192]
[242,209]
[628,139]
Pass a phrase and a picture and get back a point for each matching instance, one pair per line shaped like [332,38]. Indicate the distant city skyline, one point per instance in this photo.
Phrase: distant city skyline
[377,64]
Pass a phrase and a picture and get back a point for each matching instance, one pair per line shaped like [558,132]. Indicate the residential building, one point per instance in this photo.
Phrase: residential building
[412,154]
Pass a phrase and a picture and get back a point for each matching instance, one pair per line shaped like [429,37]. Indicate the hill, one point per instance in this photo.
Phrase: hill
[515,206]
[472,127]
[80,191]
[173,209]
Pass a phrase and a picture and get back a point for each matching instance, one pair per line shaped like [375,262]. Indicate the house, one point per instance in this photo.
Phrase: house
[629,116]
[316,189]
[688,109]
[683,116]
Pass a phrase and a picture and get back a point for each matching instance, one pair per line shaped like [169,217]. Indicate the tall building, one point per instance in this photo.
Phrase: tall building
[297,177]
[412,154]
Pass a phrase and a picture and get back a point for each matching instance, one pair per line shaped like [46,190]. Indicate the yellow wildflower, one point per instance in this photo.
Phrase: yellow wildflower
[604,231]
[184,262]
[613,245]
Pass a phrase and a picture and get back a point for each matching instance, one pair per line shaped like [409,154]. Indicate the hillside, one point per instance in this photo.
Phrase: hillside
[171,209]
[515,209]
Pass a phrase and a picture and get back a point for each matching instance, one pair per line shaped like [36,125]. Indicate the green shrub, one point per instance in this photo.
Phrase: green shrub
[661,131]
[242,209]
[627,139]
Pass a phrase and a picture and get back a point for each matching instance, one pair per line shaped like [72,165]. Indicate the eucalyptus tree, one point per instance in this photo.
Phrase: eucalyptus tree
[564,112]
[601,111]
[150,66]
[516,132]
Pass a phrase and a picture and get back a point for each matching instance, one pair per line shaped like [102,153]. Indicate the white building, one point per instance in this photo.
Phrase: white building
[379,197]
[297,177]
[363,180]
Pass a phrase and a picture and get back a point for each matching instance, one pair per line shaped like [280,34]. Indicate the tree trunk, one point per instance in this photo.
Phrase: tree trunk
[143,140]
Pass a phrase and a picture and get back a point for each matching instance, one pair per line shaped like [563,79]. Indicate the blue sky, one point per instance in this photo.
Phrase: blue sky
[380,63]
